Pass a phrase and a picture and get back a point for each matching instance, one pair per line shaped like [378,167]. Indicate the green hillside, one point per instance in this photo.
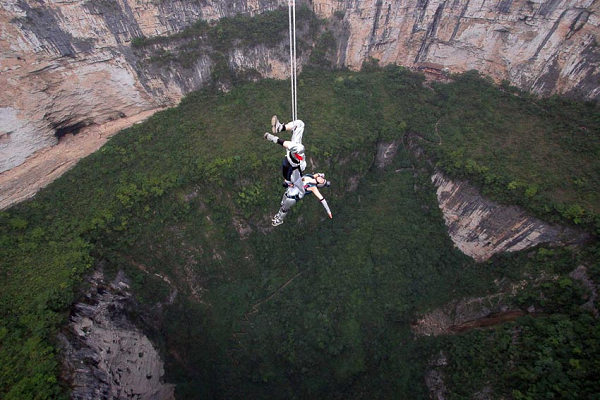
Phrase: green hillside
[316,307]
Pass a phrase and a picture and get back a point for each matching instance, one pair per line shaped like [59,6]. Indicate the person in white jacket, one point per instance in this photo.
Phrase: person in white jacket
[292,168]
[309,183]
[294,157]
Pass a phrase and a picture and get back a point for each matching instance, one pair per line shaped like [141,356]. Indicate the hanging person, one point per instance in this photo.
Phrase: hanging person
[292,168]
[295,159]
[309,183]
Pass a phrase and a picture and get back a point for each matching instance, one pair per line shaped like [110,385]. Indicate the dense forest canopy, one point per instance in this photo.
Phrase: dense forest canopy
[317,307]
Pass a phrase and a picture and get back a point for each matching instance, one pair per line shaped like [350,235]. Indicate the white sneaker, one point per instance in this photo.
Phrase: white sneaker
[270,138]
[277,219]
[277,222]
[276,125]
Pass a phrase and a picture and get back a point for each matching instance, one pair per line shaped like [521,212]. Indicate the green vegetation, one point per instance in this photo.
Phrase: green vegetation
[216,40]
[548,355]
[543,154]
[316,307]
[268,28]
[531,359]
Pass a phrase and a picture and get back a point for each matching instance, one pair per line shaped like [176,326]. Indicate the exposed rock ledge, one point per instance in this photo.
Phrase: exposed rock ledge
[465,314]
[43,167]
[105,355]
[481,228]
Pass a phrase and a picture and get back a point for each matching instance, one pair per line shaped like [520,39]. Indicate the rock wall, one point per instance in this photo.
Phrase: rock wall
[464,314]
[66,65]
[542,46]
[69,64]
[481,228]
[105,355]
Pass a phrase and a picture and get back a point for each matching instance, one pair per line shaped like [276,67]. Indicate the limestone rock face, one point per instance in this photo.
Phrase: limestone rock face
[481,228]
[65,65]
[105,355]
[543,46]
[386,151]
[69,64]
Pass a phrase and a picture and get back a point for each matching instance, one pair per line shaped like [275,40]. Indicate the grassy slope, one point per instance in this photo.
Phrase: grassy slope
[341,326]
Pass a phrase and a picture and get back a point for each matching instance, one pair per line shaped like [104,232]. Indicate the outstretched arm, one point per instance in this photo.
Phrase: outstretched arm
[321,199]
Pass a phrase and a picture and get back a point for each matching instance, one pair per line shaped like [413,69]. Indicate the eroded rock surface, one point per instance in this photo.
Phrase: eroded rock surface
[543,46]
[68,65]
[434,378]
[581,274]
[464,314]
[386,151]
[105,355]
[42,168]
[481,228]
[65,65]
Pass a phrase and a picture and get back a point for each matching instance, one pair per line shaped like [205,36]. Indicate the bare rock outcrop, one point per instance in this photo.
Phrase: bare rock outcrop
[386,151]
[581,274]
[23,181]
[464,314]
[67,65]
[105,356]
[542,46]
[434,378]
[481,228]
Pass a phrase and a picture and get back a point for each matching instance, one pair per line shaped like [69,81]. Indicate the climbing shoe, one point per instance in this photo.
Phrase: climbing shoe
[270,138]
[278,218]
[276,222]
[276,125]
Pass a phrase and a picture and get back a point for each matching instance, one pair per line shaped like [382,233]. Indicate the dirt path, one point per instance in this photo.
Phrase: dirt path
[43,167]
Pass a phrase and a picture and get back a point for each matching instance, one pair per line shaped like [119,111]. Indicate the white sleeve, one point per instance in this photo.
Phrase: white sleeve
[325,205]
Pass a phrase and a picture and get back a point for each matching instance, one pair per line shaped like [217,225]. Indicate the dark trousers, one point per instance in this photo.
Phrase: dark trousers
[287,169]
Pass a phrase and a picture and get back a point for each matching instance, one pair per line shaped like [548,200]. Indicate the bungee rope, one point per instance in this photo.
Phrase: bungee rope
[292,24]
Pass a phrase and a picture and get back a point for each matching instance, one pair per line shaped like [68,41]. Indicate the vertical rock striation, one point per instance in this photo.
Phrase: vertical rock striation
[543,46]
[69,64]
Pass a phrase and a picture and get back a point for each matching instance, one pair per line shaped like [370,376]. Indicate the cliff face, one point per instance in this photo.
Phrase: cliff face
[105,355]
[541,46]
[66,65]
[481,228]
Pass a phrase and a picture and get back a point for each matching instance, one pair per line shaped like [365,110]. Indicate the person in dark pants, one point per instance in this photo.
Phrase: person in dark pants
[292,168]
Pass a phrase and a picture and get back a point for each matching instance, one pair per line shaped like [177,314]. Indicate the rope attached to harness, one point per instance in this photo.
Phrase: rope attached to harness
[292,24]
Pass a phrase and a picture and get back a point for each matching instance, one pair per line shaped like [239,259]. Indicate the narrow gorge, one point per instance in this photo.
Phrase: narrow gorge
[459,254]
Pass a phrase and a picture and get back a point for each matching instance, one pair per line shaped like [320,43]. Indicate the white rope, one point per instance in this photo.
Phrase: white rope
[291,56]
[295,66]
[292,23]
